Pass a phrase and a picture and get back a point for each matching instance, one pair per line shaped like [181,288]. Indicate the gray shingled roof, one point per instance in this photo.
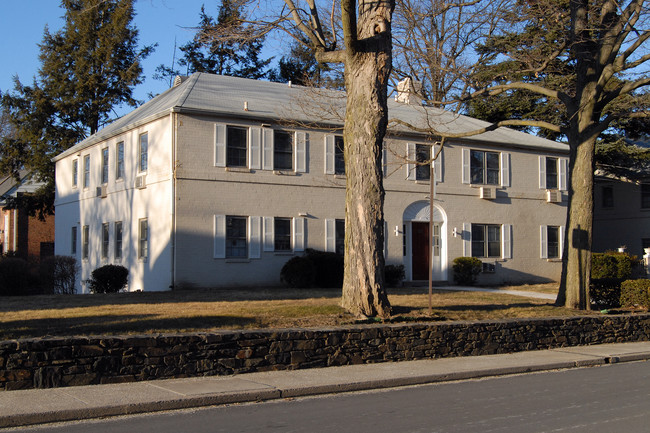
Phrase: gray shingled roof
[267,101]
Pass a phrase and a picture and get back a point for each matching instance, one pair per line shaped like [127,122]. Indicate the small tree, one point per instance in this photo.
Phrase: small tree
[108,279]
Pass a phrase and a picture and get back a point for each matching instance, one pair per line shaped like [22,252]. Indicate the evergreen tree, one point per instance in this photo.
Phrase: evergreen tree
[301,67]
[88,67]
[237,55]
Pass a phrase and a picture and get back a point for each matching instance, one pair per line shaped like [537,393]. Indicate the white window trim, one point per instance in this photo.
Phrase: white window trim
[543,242]
[465,175]
[220,145]
[268,148]
[300,154]
[562,172]
[299,234]
[506,241]
[255,148]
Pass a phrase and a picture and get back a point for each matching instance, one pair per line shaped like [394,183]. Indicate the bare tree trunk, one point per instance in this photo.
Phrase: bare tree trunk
[576,264]
[366,78]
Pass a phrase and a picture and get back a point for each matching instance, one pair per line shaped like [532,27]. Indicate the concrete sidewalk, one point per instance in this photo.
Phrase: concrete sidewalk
[18,408]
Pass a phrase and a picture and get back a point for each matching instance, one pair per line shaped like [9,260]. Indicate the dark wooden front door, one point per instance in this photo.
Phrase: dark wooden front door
[420,250]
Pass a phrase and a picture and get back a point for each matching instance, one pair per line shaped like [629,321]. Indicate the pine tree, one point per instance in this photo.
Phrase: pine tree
[237,55]
[87,68]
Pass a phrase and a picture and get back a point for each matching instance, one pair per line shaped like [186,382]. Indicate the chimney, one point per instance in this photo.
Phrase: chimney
[409,91]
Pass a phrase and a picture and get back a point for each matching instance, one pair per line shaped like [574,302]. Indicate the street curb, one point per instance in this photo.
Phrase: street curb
[280,392]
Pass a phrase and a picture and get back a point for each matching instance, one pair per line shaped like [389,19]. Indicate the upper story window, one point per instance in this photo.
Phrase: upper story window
[334,154]
[86,179]
[607,196]
[645,196]
[143,152]
[119,161]
[75,172]
[553,173]
[486,240]
[282,150]
[105,165]
[484,167]
[422,156]
[236,146]
[481,167]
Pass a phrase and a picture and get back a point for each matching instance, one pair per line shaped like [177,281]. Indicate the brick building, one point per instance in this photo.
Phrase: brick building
[21,234]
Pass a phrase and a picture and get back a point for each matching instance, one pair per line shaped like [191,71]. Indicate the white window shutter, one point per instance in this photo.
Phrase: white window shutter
[467,239]
[254,237]
[219,145]
[505,169]
[561,241]
[301,152]
[299,234]
[254,146]
[506,241]
[542,172]
[465,165]
[410,157]
[329,154]
[543,244]
[267,148]
[563,171]
[219,236]
[269,235]
[330,235]
[437,164]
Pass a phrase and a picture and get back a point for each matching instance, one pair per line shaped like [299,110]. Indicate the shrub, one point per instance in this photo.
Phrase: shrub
[635,293]
[108,279]
[328,268]
[605,292]
[612,265]
[298,272]
[466,269]
[394,275]
[58,274]
[14,276]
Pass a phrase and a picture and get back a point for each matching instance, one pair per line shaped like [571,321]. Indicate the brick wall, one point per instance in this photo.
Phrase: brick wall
[53,362]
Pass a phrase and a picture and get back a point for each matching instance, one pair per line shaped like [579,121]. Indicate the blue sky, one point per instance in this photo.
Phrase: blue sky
[158,21]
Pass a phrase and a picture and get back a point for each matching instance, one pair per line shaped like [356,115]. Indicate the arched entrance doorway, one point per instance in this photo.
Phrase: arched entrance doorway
[416,248]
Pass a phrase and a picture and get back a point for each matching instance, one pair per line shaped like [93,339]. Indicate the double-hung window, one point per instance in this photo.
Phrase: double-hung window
[486,240]
[75,172]
[236,146]
[143,153]
[282,234]
[73,241]
[422,156]
[553,173]
[551,241]
[119,161]
[282,150]
[84,242]
[86,178]
[484,167]
[335,236]
[607,196]
[645,196]
[143,239]
[105,165]
[105,240]
[236,245]
[118,240]
[339,159]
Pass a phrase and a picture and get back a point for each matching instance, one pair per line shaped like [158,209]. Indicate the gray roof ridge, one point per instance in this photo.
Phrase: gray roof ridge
[189,86]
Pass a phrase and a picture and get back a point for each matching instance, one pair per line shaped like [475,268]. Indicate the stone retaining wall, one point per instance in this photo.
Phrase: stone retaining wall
[70,361]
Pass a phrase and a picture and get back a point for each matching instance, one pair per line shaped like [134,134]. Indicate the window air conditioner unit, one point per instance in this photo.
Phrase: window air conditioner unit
[141,181]
[553,196]
[489,268]
[488,193]
[102,191]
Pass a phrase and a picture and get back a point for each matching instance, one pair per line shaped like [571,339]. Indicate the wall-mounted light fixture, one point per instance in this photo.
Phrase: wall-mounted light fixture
[303,214]
[455,232]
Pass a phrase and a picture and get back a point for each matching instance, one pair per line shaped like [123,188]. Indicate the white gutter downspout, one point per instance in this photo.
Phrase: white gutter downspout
[15,241]
[172,235]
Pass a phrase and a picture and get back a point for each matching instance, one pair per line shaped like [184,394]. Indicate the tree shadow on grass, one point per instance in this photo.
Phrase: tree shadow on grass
[117,324]
[57,302]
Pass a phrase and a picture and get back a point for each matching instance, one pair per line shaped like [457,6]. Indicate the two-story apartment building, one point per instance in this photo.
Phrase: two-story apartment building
[219,181]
